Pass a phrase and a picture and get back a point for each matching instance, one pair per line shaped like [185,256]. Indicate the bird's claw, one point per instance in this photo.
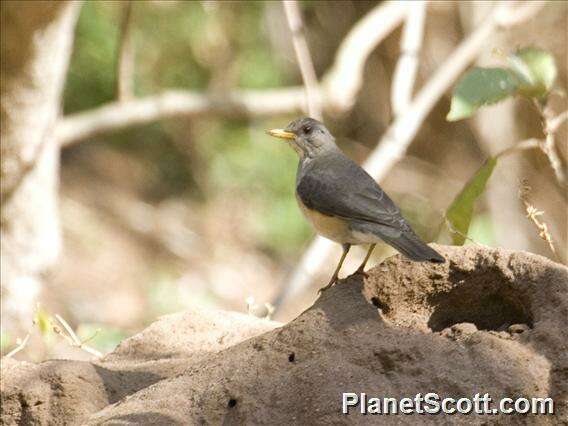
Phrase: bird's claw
[324,288]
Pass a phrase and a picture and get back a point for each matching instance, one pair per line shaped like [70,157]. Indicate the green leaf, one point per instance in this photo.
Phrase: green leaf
[478,87]
[535,69]
[461,210]
[43,321]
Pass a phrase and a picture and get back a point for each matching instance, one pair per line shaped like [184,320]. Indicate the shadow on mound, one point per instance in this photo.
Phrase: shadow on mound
[476,290]
[496,310]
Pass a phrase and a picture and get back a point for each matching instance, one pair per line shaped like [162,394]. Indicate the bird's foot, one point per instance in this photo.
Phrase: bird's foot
[331,283]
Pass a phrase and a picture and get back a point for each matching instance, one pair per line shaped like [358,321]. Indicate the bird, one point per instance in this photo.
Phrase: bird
[343,202]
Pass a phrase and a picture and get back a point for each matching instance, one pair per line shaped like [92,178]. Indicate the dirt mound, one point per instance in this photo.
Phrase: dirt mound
[487,321]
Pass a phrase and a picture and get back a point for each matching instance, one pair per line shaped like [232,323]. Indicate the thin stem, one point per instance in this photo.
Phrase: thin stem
[18,348]
[550,125]
[72,337]
[294,19]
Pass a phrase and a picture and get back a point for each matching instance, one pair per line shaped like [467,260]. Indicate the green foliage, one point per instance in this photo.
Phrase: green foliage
[481,230]
[43,321]
[239,159]
[460,212]
[91,78]
[479,87]
[5,340]
[535,70]
[193,46]
[532,73]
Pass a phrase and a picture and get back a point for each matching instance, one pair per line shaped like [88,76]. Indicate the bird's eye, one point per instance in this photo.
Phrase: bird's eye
[307,130]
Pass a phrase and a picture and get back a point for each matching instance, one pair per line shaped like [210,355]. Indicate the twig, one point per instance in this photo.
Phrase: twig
[21,345]
[550,125]
[125,62]
[407,64]
[72,338]
[453,230]
[294,19]
[554,123]
[400,134]
[532,215]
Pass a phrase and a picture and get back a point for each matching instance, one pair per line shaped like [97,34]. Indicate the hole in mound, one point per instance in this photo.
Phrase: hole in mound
[380,305]
[232,402]
[484,296]
[494,311]
[292,357]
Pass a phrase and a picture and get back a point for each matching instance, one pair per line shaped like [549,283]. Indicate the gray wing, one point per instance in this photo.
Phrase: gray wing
[337,186]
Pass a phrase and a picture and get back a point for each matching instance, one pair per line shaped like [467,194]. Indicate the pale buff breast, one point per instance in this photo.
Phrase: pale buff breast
[333,228]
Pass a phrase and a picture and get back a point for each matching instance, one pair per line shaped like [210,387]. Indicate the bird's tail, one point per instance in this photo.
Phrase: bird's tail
[411,246]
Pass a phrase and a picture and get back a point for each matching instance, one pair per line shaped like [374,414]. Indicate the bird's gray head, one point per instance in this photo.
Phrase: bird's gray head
[307,136]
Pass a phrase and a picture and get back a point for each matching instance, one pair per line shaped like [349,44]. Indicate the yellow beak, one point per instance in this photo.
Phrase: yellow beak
[281,133]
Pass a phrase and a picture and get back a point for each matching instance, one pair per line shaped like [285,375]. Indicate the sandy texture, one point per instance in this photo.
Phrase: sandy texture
[488,320]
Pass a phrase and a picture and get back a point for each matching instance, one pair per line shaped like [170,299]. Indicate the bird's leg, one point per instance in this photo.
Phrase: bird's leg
[361,269]
[333,280]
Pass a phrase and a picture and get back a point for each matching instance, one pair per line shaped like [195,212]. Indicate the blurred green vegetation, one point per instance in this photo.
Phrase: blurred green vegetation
[5,340]
[197,46]
[101,337]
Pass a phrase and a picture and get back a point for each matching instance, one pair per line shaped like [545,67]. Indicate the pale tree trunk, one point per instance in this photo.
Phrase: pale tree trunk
[36,45]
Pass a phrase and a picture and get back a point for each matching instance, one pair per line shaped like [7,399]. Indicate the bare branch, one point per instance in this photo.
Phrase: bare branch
[550,125]
[344,80]
[554,123]
[407,65]
[21,345]
[294,18]
[400,134]
[532,215]
[550,150]
[125,62]
[338,92]
[118,115]
[508,16]
[72,338]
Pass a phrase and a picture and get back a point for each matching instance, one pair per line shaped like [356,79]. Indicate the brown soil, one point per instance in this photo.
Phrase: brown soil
[488,321]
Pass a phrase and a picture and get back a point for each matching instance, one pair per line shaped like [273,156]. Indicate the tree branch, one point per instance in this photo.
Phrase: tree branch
[407,64]
[338,92]
[20,344]
[118,115]
[294,19]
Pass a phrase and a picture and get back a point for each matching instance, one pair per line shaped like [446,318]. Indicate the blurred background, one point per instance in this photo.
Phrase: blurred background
[198,209]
